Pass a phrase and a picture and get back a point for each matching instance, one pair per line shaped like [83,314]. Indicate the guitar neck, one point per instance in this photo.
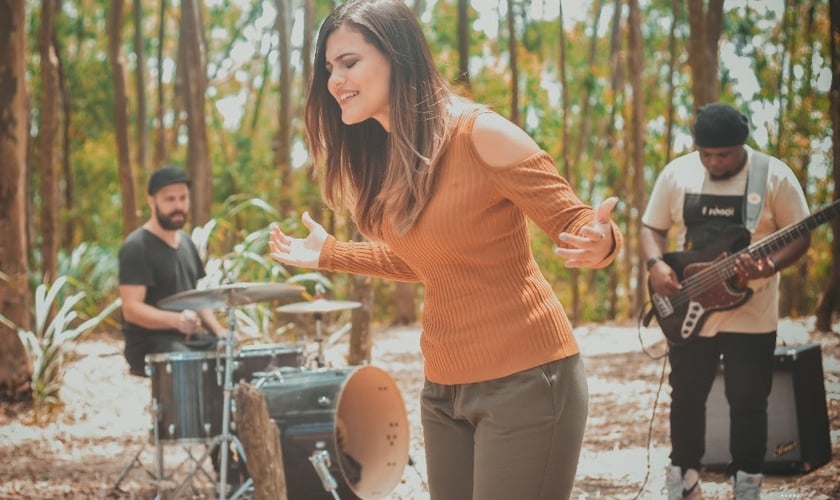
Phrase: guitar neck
[723,269]
[783,237]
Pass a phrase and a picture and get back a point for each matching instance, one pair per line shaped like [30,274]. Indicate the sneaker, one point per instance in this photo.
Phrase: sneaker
[746,486]
[683,486]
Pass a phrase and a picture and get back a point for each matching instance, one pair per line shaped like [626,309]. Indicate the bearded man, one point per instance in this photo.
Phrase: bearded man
[157,260]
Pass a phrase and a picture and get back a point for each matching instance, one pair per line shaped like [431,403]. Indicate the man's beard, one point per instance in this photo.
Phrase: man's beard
[724,176]
[167,223]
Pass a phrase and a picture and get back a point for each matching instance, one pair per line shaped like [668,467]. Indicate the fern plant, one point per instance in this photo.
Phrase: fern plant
[49,343]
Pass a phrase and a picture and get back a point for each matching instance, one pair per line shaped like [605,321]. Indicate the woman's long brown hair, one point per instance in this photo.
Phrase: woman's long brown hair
[375,173]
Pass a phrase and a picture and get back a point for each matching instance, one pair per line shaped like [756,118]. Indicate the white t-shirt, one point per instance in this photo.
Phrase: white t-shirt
[684,189]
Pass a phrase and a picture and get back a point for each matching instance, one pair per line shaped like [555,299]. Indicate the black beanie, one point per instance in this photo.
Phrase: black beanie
[720,126]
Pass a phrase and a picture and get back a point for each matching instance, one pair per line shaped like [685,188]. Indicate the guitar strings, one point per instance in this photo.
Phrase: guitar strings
[711,276]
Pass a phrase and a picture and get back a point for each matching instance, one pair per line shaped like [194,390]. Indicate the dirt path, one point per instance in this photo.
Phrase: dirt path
[105,422]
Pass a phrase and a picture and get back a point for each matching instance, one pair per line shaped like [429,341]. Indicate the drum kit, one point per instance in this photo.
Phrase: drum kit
[343,430]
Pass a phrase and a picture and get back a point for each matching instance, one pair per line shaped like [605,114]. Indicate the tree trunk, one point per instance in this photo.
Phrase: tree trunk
[67,201]
[361,291]
[462,81]
[830,301]
[193,65]
[405,304]
[260,438]
[637,141]
[705,28]
[15,366]
[673,62]
[128,177]
[283,142]
[514,62]
[140,83]
[47,134]
[160,155]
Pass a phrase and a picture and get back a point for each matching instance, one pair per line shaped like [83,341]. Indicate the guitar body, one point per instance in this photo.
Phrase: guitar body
[682,316]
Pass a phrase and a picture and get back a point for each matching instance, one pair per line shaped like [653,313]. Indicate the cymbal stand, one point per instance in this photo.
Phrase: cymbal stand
[226,436]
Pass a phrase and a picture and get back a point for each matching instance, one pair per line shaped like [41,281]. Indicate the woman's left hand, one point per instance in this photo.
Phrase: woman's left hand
[594,242]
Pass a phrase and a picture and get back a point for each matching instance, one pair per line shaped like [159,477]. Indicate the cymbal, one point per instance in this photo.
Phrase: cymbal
[319,306]
[235,294]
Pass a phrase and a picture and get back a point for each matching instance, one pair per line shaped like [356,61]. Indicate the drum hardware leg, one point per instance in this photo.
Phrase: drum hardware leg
[135,462]
[198,465]
[156,438]
[320,460]
[243,488]
[157,475]
[319,338]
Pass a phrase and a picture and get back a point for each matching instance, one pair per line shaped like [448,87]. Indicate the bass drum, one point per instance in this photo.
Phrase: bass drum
[343,430]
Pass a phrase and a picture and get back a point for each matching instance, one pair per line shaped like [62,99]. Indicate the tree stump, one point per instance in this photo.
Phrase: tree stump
[260,438]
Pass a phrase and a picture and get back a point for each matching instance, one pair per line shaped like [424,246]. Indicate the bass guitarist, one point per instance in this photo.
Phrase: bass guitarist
[705,201]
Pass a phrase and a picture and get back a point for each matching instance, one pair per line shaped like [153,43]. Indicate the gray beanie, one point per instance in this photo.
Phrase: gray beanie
[720,126]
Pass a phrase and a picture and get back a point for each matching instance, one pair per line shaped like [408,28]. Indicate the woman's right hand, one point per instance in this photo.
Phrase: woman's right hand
[298,251]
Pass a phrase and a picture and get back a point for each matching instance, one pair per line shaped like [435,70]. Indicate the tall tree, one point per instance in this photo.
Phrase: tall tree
[140,82]
[463,78]
[67,201]
[636,141]
[705,26]
[192,65]
[127,175]
[47,138]
[673,62]
[160,154]
[829,303]
[513,49]
[283,141]
[15,366]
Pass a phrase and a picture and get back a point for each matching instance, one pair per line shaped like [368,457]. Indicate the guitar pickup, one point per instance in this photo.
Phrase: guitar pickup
[663,305]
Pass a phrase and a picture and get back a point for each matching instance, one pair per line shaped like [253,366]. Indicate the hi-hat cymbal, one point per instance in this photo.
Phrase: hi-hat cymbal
[319,306]
[235,294]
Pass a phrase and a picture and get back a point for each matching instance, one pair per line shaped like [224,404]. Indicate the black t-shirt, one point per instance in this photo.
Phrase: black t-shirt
[145,259]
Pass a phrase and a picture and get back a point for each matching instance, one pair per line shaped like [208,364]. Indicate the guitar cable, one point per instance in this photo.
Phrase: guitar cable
[664,358]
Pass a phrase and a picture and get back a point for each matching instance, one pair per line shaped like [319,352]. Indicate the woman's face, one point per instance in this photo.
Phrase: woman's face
[360,77]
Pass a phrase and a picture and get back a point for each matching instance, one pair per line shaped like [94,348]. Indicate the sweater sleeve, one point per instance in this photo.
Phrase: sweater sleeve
[546,197]
[366,258]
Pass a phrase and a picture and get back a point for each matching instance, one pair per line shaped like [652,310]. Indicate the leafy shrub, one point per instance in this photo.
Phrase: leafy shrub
[49,344]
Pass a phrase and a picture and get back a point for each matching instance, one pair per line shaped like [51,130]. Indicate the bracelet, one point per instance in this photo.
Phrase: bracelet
[651,261]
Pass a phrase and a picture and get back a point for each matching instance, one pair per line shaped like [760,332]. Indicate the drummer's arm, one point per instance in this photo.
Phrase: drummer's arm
[135,310]
[211,323]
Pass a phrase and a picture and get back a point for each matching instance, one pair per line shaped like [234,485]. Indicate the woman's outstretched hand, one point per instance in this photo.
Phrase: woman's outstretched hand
[595,241]
[298,251]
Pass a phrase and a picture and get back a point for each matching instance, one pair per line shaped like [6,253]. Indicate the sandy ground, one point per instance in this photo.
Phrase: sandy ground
[106,421]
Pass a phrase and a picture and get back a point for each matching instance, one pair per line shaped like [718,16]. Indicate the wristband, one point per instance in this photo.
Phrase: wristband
[651,261]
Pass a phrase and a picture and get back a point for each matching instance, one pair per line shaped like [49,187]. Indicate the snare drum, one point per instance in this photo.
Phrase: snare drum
[188,387]
[347,423]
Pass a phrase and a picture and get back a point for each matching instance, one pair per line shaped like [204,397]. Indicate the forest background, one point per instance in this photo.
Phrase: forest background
[96,94]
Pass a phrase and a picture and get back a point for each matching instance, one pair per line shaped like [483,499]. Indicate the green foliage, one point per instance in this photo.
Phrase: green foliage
[49,344]
[91,269]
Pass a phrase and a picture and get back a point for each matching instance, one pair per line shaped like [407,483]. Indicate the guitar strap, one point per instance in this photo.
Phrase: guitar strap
[756,189]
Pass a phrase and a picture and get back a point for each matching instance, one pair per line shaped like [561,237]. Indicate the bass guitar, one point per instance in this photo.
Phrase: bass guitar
[709,282]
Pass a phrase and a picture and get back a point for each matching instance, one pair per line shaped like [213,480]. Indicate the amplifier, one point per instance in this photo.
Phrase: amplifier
[797,421]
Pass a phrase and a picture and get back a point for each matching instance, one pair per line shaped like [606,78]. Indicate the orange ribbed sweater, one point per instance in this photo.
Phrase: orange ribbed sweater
[488,310]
